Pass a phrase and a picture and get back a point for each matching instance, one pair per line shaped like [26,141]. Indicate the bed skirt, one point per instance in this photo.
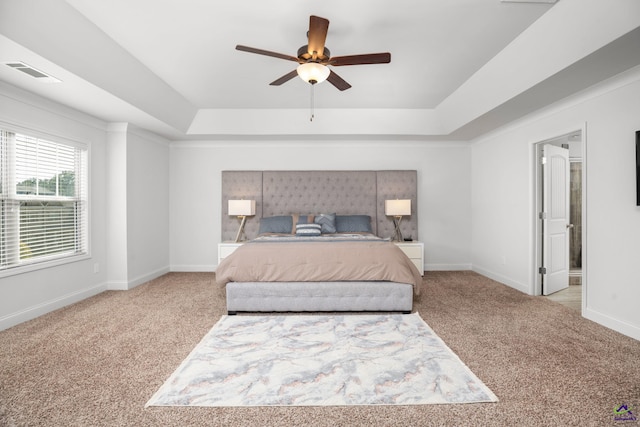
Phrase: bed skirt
[318,296]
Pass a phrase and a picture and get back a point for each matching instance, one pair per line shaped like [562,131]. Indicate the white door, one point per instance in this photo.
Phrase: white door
[555,219]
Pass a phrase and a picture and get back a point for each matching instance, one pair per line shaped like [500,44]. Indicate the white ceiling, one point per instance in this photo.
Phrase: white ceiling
[435,45]
[170,65]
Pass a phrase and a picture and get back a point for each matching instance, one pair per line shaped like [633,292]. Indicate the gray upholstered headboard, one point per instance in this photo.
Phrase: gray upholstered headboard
[315,192]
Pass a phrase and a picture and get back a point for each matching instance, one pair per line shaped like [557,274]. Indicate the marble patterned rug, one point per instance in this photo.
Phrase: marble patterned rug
[321,360]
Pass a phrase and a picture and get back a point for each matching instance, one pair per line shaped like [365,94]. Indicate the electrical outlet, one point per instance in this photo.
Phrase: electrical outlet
[504,260]
[96,268]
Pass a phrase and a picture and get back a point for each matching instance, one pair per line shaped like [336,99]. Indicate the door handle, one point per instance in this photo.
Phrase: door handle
[569,226]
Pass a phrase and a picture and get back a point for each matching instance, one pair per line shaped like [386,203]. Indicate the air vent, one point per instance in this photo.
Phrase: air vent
[35,73]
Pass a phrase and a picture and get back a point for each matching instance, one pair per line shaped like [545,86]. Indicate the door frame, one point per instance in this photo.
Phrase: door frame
[536,278]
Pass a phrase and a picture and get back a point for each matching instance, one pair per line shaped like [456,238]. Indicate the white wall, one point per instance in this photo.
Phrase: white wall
[138,206]
[503,200]
[28,295]
[147,206]
[443,186]
[116,164]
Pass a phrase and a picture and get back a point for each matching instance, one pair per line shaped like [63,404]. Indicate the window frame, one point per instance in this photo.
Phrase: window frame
[46,262]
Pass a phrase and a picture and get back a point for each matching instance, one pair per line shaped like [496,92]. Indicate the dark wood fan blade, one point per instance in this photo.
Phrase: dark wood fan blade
[266,53]
[284,78]
[338,81]
[370,58]
[318,28]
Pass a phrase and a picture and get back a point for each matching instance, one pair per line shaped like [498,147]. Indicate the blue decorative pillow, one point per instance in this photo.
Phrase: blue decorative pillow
[308,229]
[276,224]
[327,221]
[353,224]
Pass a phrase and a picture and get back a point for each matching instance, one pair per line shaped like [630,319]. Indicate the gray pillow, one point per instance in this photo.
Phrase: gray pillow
[327,221]
[276,224]
[353,224]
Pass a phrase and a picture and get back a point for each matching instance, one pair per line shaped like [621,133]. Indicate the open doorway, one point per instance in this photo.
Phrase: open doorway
[571,148]
[575,202]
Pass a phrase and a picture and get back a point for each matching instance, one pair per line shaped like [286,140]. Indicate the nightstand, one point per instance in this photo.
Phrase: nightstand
[226,248]
[415,251]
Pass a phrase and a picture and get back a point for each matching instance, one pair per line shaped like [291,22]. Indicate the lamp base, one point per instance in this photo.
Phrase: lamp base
[241,229]
[397,234]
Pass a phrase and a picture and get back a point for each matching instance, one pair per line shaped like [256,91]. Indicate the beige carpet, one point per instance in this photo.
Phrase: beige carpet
[97,362]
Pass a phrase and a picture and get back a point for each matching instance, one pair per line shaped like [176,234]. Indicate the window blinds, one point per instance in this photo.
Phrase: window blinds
[43,200]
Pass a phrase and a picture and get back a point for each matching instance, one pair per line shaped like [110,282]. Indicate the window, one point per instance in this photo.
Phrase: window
[43,200]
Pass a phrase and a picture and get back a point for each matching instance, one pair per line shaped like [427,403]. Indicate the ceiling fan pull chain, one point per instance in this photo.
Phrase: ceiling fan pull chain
[312,104]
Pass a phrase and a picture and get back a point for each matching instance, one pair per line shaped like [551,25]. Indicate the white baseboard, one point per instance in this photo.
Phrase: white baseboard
[127,285]
[30,313]
[213,267]
[624,328]
[503,279]
[447,267]
[206,268]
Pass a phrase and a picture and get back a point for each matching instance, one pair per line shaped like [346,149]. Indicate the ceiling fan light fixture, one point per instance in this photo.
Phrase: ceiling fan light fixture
[313,72]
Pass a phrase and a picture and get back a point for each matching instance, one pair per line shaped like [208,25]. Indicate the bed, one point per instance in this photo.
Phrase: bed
[337,261]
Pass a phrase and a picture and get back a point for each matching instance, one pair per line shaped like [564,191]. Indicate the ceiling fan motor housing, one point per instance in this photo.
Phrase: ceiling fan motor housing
[305,56]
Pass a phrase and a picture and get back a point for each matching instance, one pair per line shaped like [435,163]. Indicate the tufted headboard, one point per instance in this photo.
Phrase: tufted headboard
[315,192]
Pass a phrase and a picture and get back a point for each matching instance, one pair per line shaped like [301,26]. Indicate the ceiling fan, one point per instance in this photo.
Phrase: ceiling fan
[315,57]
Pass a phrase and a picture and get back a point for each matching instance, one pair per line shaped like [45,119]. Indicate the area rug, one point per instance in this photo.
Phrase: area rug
[321,360]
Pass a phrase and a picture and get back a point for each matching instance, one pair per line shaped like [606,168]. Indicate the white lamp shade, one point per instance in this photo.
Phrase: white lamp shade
[397,207]
[242,207]
[312,72]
